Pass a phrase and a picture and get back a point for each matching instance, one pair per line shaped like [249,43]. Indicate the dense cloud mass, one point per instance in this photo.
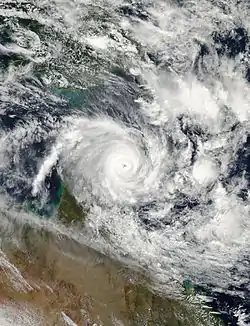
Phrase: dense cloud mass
[142,109]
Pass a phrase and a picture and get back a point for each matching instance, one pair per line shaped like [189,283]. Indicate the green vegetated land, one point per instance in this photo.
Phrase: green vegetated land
[143,307]
[69,209]
[79,278]
[78,275]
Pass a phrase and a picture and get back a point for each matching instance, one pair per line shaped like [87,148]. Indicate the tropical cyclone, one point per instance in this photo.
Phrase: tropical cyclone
[157,146]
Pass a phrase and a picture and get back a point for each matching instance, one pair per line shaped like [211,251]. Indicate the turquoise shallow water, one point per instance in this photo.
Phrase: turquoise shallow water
[142,110]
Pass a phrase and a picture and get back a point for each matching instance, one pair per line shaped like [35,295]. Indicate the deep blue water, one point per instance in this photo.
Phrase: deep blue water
[120,105]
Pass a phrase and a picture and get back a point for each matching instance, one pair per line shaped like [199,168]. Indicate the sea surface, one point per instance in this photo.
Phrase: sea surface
[141,111]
